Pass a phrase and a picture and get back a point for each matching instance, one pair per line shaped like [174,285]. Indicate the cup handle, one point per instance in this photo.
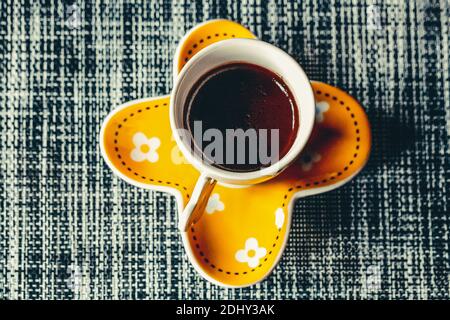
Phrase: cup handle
[197,204]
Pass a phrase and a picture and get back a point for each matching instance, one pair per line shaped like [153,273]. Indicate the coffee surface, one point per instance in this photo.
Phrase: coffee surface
[243,96]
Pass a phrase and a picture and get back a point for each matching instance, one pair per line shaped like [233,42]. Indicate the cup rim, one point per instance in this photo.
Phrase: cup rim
[305,107]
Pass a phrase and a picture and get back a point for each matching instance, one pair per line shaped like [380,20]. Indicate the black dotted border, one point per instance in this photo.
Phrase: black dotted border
[308,184]
[206,260]
[194,46]
[350,163]
[124,164]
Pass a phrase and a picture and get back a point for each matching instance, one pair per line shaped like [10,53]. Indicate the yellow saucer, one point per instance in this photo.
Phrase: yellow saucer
[241,236]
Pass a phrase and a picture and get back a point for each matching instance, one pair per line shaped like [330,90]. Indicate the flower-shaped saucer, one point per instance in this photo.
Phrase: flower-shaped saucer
[241,236]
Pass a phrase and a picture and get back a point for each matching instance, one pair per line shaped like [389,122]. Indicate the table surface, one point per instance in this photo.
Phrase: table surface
[70,229]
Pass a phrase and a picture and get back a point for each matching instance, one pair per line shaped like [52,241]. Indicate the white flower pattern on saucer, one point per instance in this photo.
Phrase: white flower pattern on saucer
[279,218]
[307,160]
[251,253]
[214,204]
[145,148]
[176,155]
[321,108]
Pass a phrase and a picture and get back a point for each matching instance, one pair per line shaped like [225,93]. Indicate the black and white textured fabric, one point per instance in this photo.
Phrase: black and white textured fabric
[70,229]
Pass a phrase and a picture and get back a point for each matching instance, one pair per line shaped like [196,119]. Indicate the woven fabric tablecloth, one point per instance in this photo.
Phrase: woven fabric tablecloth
[70,229]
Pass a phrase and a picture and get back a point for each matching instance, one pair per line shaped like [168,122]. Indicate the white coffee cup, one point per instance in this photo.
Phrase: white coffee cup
[224,52]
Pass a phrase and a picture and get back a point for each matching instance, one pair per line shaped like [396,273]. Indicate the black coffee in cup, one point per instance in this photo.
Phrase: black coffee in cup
[241,102]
